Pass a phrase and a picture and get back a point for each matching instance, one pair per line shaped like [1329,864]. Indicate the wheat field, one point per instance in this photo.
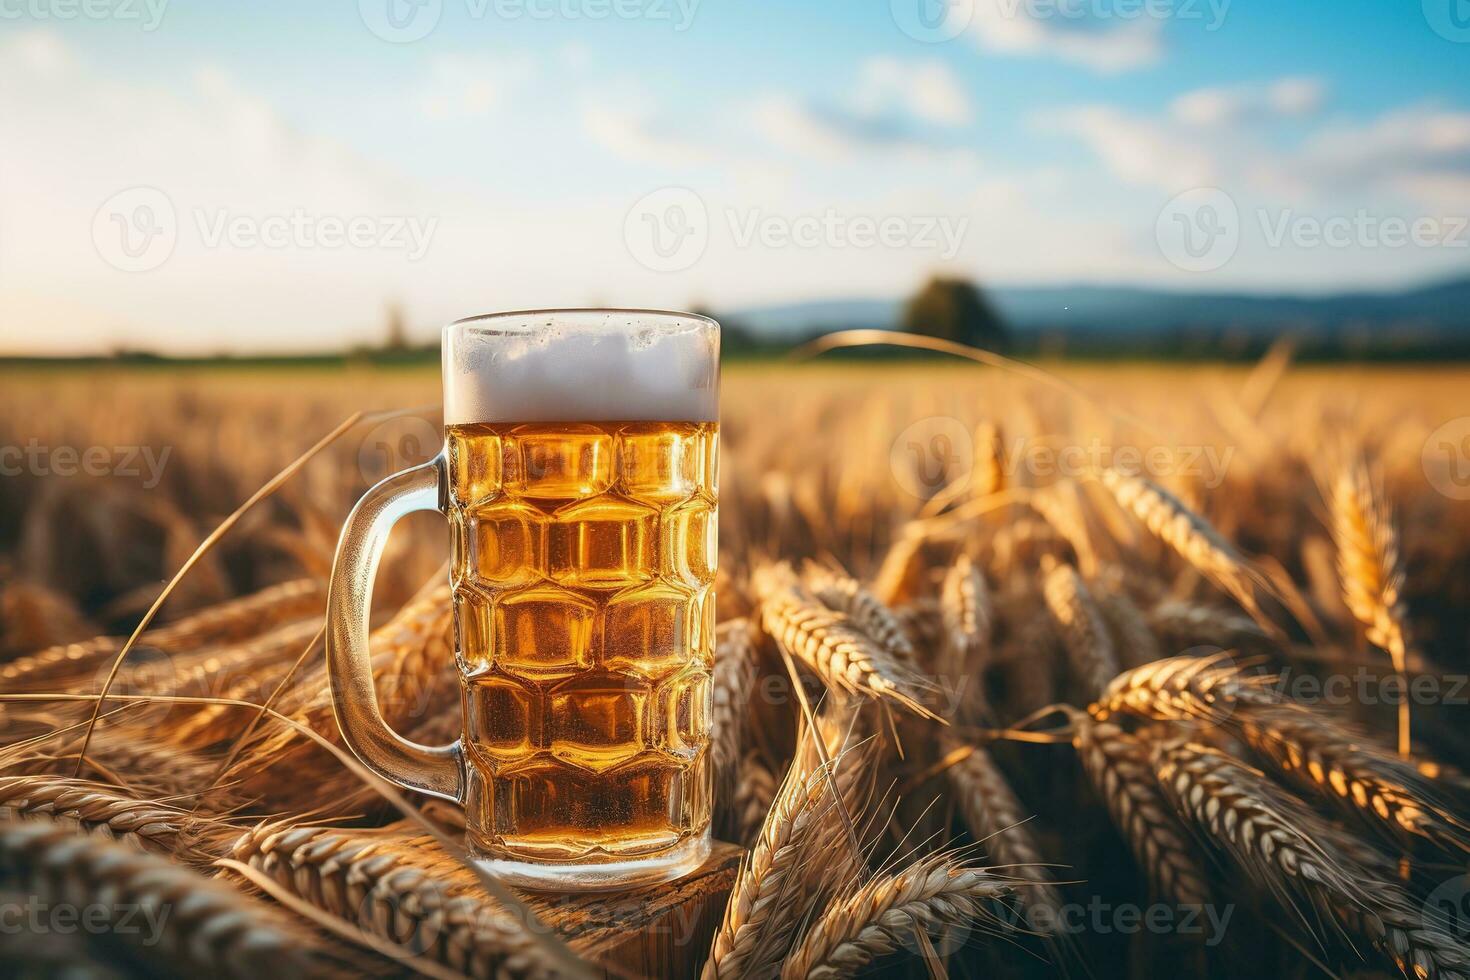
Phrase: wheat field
[1126,671]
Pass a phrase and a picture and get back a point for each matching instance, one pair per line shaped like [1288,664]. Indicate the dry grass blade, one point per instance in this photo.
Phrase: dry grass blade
[933,893]
[1085,637]
[866,611]
[196,925]
[270,487]
[827,642]
[1371,574]
[1118,766]
[900,573]
[998,822]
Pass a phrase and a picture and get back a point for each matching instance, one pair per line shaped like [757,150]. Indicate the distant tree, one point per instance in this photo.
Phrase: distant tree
[955,309]
[396,339]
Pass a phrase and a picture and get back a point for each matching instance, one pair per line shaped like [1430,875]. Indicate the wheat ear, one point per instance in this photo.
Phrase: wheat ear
[998,822]
[866,611]
[1119,768]
[732,683]
[198,925]
[1372,575]
[931,894]
[1089,647]
[827,642]
[400,889]
[1312,868]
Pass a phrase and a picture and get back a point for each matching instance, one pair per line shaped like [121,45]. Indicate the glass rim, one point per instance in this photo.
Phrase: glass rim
[568,311]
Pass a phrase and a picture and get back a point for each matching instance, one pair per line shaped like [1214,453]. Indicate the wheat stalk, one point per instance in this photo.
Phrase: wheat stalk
[1133,638]
[193,924]
[1309,866]
[999,823]
[398,888]
[967,619]
[866,611]
[1328,760]
[1089,647]
[1118,766]
[933,893]
[732,684]
[100,809]
[827,642]
[754,794]
[1191,536]
[1371,574]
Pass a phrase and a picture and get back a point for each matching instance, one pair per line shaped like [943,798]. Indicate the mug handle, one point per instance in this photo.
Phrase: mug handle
[434,770]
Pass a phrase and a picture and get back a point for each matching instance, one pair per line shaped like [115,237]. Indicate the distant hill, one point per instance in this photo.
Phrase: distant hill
[1091,315]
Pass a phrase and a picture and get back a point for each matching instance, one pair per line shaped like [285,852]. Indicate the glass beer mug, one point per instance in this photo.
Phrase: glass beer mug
[579,472]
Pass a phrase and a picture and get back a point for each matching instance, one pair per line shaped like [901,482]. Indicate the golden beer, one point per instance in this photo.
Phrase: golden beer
[583,564]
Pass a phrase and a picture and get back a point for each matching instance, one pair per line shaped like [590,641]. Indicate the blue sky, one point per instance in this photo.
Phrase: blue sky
[186,182]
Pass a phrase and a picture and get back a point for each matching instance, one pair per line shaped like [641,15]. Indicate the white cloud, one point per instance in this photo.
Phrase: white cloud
[468,88]
[1139,150]
[630,134]
[1237,104]
[926,89]
[1107,45]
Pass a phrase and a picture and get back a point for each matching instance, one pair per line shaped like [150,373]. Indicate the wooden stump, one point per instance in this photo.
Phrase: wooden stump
[657,931]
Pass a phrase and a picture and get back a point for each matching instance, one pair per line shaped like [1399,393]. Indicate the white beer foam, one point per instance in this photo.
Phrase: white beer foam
[581,366]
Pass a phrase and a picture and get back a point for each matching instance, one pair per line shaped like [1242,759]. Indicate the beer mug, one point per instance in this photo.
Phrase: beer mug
[579,474]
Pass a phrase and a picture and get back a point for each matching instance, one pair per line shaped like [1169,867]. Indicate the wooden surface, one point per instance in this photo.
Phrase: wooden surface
[656,931]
